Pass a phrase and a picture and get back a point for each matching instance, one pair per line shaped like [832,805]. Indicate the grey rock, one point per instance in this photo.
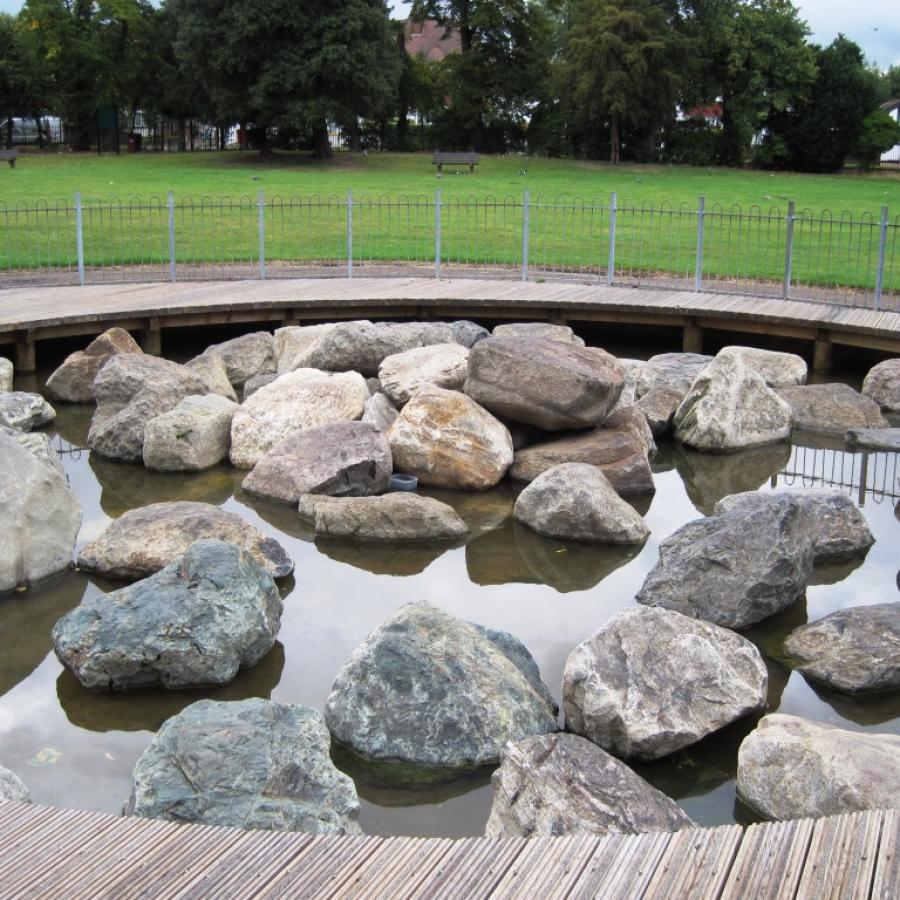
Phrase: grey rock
[393,517]
[736,568]
[345,459]
[674,370]
[441,365]
[874,438]
[144,540]
[73,381]
[6,375]
[551,384]
[882,384]
[39,517]
[36,443]
[252,385]
[560,785]
[194,436]
[12,788]
[374,386]
[246,356]
[246,764]
[575,501]
[428,689]
[210,368]
[831,408]
[651,681]
[468,334]
[291,344]
[538,330]
[853,650]
[23,411]
[659,405]
[792,768]
[380,412]
[194,623]
[776,369]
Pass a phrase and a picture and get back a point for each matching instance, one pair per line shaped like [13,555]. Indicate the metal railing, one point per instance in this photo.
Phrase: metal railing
[768,252]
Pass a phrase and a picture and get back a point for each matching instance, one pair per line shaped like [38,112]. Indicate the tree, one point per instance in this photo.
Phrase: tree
[879,132]
[24,87]
[888,84]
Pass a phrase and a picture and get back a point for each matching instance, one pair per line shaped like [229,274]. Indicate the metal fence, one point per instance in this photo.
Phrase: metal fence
[769,252]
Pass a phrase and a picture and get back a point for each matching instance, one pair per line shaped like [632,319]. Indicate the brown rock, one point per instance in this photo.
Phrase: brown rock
[73,381]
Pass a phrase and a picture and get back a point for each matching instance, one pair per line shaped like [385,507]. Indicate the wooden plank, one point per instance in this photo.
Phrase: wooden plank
[547,868]
[886,881]
[472,870]
[624,870]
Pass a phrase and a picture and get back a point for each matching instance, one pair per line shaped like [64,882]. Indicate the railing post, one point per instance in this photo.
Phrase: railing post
[261,204]
[882,249]
[698,264]
[611,260]
[437,233]
[788,251]
[350,234]
[79,238]
[526,211]
[171,205]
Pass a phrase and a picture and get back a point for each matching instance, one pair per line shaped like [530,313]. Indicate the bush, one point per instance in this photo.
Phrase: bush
[692,142]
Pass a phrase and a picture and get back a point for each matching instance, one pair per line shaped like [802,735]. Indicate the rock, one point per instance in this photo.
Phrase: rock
[428,689]
[393,517]
[468,334]
[194,436]
[551,384]
[446,439]
[374,386]
[538,330]
[304,398]
[73,381]
[210,368]
[736,568]
[38,444]
[675,370]
[246,764]
[575,501]
[345,459]
[651,681]
[776,369]
[838,529]
[620,447]
[131,389]
[12,788]
[39,517]
[792,768]
[560,785]
[291,343]
[22,411]
[659,405]
[882,384]
[853,650]
[6,375]
[193,623]
[252,385]
[729,407]
[831,408]
[246,356]
[441,365]
[874,439]
[380,412]
[144,540]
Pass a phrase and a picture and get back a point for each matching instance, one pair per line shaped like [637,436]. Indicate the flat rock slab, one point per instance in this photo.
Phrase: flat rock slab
[831,408]
[673,370]
[853,650]
[651,681]
[874,439]
[73,381]
[144,540]
[793,768]
[23,411]
[441,365]
[560,785]
[776,369]
[246,356]
[12,788]
[194,623]
[882,384]
[538,330]
[246,764]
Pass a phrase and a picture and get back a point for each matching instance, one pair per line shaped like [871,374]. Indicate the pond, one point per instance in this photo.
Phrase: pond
[77,749]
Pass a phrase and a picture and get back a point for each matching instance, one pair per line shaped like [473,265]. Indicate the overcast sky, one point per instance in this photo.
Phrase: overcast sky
[868,22]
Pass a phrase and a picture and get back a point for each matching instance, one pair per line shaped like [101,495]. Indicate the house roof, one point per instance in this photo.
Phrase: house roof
[890,104]
[427,38]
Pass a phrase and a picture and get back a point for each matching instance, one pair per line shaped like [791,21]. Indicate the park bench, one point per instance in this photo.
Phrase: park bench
[10,156]
[442,158]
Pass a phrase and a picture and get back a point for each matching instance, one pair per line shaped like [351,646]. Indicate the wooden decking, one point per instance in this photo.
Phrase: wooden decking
[31,314]
[46,852]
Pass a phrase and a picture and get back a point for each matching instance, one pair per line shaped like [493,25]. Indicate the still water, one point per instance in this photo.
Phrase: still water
[77,749]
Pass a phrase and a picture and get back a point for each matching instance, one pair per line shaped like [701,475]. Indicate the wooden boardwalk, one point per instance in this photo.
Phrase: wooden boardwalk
[47,852]
[31,314]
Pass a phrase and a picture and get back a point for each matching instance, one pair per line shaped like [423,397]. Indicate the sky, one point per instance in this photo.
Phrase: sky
[873,24]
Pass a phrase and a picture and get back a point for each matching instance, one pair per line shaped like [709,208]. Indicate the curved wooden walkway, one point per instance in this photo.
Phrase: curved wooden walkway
[31,314]
[47,852]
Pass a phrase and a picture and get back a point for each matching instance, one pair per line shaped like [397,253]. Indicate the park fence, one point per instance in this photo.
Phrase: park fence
[769,252]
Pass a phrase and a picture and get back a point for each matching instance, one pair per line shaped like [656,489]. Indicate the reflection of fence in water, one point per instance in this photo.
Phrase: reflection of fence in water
[866,473]
[64,449]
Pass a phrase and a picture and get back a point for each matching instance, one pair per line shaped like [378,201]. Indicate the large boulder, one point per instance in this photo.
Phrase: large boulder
[12,788]
[651,681]
[194,623]
[211,370]
[393,517]
[575,501]
[792,768]
[73,381]
[736,568]
[673,370]
[730,407]
[131,389]
[246,764]
[428,689]
[831,408]
[7,370]
[853,650]
[38,444]
[777,369]
[246,356]
[380,412]
[538,330]
[345,459]
[194,436]
[144,540]
[39,517]
[882,384]
[550,384]
[560,785]
[292,343]
[441,365]
[446,439]
[304,398]
[23,411]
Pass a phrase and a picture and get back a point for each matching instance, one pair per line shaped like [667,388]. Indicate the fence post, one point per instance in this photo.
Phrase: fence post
[437,233]
[350,234]
[171,205]
[882,249]
[611,261]
[526,211]
[79,238]
[261,204]
[698,264]
[788,251]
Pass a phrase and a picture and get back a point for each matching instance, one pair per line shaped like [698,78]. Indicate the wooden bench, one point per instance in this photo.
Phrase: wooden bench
[10,156]
[442,158]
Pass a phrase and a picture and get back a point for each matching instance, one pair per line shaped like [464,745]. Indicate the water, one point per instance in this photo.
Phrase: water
[77,749]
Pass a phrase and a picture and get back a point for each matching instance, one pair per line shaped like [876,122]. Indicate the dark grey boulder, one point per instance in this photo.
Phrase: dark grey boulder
[831,408]
[12,788]
[23,411]
[246,356]
[468,334]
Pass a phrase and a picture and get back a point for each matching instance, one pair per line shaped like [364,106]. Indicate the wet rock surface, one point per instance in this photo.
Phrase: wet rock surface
[831,408]
[23,411]
[882,384]
[73,381]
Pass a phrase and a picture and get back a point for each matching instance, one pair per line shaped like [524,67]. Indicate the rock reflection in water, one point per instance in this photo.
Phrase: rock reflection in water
[482,511]
[73,422]
[863,709]
[384,559]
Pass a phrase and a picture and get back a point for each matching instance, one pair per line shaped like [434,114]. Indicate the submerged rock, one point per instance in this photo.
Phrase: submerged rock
[247,764]
[246,356]
[23,411]
[441,365]
[831,408]
[672,370]
[210,368]
[538,330]
[776,369]
[874,439]
[882,384]
[73,381]
[12,788]
[6,375]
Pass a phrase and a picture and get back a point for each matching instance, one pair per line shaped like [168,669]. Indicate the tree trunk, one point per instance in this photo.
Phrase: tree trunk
[9,132]
[321,144]
[614,138]
[355,138]
[40,132]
